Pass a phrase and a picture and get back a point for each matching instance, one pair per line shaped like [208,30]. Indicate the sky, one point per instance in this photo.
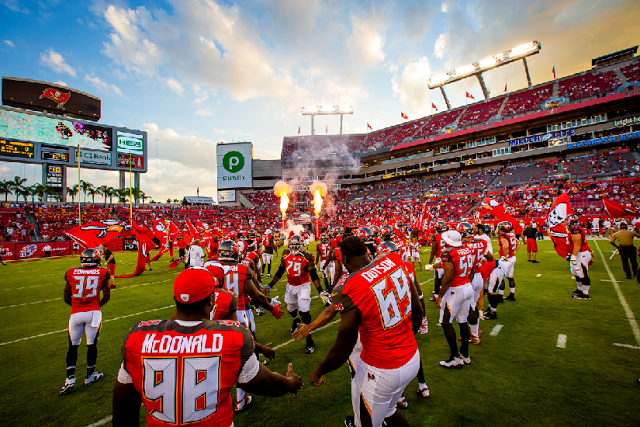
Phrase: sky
[195,72]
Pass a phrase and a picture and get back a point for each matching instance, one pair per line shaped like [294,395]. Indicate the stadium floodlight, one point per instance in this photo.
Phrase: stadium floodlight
[327,110]
[439,79]
[522,49]
[488,62]
[465,71]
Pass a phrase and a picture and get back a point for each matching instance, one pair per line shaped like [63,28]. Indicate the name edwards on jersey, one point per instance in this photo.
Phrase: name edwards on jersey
[80,270]
[378,270]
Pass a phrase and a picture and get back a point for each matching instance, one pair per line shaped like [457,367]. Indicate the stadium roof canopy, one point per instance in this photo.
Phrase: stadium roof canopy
[192,200]
[614,57]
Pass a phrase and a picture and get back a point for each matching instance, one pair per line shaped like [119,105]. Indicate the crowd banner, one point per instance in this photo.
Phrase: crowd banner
[35,250]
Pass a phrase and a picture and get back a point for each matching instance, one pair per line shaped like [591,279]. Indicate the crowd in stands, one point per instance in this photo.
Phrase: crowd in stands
[587,85]
[527,101]
[480,112]
[591,166]
[15,227]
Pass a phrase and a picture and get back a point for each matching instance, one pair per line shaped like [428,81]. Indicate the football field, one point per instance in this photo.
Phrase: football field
[523,373]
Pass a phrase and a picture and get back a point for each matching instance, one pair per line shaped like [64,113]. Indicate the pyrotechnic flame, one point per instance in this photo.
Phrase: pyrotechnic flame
[281,189]
[317,202]
[319,190]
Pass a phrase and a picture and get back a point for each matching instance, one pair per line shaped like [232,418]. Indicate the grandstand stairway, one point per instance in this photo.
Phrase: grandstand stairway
[620,75]
[245,202]
[32,219]
[556,87]
[636,155]
[499,113]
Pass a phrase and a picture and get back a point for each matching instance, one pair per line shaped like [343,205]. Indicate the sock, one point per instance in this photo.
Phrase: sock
[585,289]
[239,394]
[464,334]
[420,375]
[263,265]
[422,385]
[436,286]
[269,268]
[306,319]
[512,291]
[500,292]
[450,335]
[474,329]
[92,356]
[72,357]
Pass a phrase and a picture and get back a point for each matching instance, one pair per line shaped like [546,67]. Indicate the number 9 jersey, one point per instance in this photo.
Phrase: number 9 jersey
[86,284]
[382,293]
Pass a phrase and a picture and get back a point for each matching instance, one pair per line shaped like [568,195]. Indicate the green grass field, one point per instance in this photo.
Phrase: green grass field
[519,377]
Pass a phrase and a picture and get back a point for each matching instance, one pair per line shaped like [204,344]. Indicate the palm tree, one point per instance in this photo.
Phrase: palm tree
[169,201]
[144,196]
[122,194]
[135,192]
[103,191]
[92,192]
[85,187]
[5,189]
[24,192]
[16,184]
[73,192]
[32,192]
[176,201]
[42,190]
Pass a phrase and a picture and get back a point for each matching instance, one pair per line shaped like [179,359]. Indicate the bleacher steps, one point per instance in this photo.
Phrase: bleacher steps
[620,75]
[506,99]
[556,86]
[245,202]
[32,219]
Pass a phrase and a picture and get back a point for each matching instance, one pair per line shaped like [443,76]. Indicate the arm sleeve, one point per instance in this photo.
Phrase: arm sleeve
[341,301]
[249,370]
[247,358]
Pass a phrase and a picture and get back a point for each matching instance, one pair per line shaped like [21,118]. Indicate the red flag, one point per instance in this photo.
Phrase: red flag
[618,210]
[554,71]
[369,126]
[505,86]
[403,115]
[560,208]
[497,209]
[194,231]
[327,130]
[145,241]
[198,191]
[173,230]
[434,106]
[298,130]
[160,230]
[468,95]
[424,219]
[98,233]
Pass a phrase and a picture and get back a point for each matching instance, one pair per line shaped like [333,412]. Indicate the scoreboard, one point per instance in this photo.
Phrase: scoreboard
[30,137]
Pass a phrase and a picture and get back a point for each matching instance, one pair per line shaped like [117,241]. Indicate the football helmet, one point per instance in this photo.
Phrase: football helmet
[228,250]
[90,258]
[572,220]
[415,233]
[366,234]
[505,227]
[295,244]
[465,229]
[267,231]
[376,230]
[240,235]
[324,238]
[441,226]
[386,248]
[387,230]
[252,234]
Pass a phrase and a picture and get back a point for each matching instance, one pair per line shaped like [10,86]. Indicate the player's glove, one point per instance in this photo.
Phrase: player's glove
[568,257]
[503,258]
[573,260]
[326,298]
[274,301]
[424,327]
[428,267]
[277,313]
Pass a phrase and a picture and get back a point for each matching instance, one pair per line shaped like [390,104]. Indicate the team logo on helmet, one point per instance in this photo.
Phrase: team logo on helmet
[386,248]
[465,229]
[228,250]
[90,258]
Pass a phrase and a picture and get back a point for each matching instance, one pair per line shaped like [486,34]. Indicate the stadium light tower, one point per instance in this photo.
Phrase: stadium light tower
[327,110]
[477,68]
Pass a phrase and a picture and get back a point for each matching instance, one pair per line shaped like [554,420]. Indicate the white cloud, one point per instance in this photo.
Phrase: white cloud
[175,86]
[393,68]
[204,113]
[443,7]
[440,46]
[412,89]
[9,43]
[61,83]
[14,5]
[367,40]
[103,86]
[56,62]
[188,150]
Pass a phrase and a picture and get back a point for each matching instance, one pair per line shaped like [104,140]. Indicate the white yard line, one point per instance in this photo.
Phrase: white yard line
[539,275]
[623,301]
[496,330]
[626,346]
[562,341]
[105,321]
[101,422]
[29,303]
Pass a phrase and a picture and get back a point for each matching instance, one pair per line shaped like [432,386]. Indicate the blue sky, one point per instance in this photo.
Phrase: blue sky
[193,72]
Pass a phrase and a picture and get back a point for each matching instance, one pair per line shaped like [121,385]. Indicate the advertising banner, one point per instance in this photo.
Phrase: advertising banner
[8,251]
[234,165]
[130,143]
[137,162]
[226,196]
[35,250]
[131,245]
[94,157]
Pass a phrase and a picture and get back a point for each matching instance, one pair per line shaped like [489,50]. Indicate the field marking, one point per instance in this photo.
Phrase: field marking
[562,341]
[626,346]
[102,421]
[426,281]
[539,275]
[496,330]
[629,313]
[104,321]
[605,280]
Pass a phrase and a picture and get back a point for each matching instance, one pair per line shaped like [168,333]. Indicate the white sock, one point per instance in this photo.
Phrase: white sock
[422,385]
[512,290]
[585,289]
[500,291]
[579,287]
[239,394]
[475,329]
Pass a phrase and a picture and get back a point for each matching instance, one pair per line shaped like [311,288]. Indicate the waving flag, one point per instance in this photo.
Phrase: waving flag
[298,130]
[468,95]
[369,126]
[497,209]
[98,233]
[192,230]
[554,71]
[173,230]
[618,210]
[434,106]
[160,230]
[505,86]
[556,229]
[403,115]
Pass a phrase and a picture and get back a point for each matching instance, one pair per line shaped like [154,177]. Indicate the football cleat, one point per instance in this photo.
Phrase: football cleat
[309,349]
[349,421]
[242,405]
[402,403]
[423,390]
[491,315]
[465,359]
[69,383]
[511,297]
[93,378]
[269,275]
[576,292]
[294,326]
[433,297]
[475,340]
[581,296]
[452,362]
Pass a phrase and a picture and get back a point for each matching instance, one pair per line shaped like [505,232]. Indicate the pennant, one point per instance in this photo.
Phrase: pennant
[98,233]
[554,71]
[298,130]
[498,210]
[434,106]
[327,130]
[192,230]
[468,95]
[369,126]
[173,230]
[403,115]
[505,86]
[556,229]
[618,210]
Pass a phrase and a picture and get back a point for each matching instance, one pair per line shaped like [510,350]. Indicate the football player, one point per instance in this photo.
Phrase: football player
[437,245]
[207,357]
[579,257]
[300,269]
[481,234]
[414,249]
[267,251]
[509,245]
[82,292]
[323,250]
[380,302]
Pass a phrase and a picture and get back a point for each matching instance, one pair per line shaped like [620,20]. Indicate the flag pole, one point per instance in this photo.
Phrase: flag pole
[130,193]
[79,201]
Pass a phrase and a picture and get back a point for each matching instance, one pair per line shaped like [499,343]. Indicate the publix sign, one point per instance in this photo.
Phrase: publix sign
[234,165]
[130,143]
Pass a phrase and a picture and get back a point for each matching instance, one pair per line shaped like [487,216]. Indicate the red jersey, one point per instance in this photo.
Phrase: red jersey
[267,240]
[411,271]
[480,248]
[234,281]
[324,249]
[213,249]
[382,293]
[463,259]
[486,268]
[181,244]
[513,244]
[185,373]
[437,244]
[226,304]
[334,243]
[252,256]
[86,284]
[296,267]
[337,256]
[576,229]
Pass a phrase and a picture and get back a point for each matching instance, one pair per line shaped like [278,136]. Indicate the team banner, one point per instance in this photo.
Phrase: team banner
[498,210]
[160,230]
[234,165]
[556,229]
[8,251]
[98,233]
[618,210]
[36,250]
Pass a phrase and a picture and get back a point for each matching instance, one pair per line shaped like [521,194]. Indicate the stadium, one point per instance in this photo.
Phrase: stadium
[563,348]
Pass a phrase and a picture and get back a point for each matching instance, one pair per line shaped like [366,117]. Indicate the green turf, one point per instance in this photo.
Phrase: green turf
[518,377]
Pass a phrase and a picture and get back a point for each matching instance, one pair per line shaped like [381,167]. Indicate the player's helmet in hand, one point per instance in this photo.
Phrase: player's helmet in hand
[366,234]
[324,238]
[228,250]
[505,227]
[441,226]
[572,220]
[90,258]
[386,248]
[387,230]
[295,244]
[465,229]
